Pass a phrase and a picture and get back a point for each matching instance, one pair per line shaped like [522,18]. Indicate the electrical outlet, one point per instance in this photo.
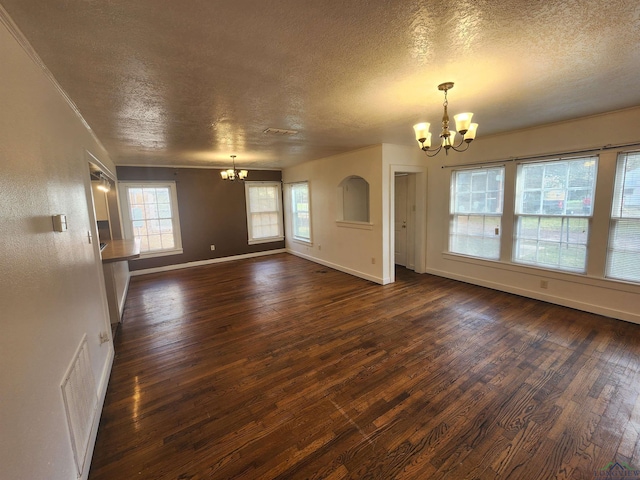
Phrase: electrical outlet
[213,247]
[319,247]
[373,260]
[544,284]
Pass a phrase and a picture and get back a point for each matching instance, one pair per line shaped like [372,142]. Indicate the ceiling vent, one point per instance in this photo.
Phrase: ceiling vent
[280,131]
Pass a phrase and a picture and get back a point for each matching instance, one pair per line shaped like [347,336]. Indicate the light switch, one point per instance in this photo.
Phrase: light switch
[59,223]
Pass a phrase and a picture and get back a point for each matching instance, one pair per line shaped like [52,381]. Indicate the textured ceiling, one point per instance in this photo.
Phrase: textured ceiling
[190,83]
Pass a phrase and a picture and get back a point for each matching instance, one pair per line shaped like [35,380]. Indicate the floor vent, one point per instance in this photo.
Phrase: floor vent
[80,402]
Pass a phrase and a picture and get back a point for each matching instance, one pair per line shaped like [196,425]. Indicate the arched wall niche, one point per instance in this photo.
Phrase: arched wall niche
[353,200]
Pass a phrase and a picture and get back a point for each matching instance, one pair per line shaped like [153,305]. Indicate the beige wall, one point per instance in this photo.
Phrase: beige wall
[349,248]
[51,287]
[352,251]
[590,292]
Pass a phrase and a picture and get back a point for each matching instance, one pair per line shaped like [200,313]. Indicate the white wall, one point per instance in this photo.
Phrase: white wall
[51,287]
[341,245]
[351,251]
[590,292]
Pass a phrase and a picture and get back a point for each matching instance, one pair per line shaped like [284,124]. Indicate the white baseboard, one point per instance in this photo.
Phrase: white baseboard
[167,268]
[565,302]
[340,268]
[123,300]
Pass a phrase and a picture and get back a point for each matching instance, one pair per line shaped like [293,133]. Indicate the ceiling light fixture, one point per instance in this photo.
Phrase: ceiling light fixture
[463,125]
[233,174]
[104,183]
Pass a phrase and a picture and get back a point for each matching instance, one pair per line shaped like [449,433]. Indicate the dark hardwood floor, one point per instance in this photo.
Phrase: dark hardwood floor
[277,367]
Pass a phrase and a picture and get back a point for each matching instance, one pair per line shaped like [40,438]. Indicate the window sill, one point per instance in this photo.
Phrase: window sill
[302,241]
[161,253]
[358,225]
[265,240]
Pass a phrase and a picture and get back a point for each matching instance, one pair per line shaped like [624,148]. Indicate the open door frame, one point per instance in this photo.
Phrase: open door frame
[420,219]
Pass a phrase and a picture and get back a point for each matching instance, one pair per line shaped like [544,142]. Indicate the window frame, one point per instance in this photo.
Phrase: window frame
[456,213]
[127,221]
[294,212]
[279,210]
[519,239]
[618,217]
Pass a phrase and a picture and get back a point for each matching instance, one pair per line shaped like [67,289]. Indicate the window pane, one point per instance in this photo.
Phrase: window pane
[556,197]
[463,203]
[164,210]
[264,219]
[624,235]
[151,217]
[300,211]
[478,202]
[563,187]
[479,192]
[553,242]
[475,236]
[533,176]
[479,181]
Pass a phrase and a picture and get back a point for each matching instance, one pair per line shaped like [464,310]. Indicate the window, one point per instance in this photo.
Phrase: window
[624,235]
[553,211]
[151,214]
[264,212]
[476,212]
[300,213]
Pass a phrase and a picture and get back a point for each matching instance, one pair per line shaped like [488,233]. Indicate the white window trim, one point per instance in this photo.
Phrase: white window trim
[516,216]
[306,241]
[127,226]
[453,214]
[617,216]
[280,236]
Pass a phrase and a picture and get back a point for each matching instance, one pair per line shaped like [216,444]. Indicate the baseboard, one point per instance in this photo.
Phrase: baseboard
[124,296]
[340,268]
[199,263]
[102,393]
[565,302]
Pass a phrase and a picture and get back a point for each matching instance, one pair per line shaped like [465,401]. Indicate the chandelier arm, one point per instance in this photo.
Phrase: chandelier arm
[434,151]
[457,149]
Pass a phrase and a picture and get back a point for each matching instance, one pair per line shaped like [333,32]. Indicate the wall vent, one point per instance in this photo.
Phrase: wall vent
[279,131]
[80,402]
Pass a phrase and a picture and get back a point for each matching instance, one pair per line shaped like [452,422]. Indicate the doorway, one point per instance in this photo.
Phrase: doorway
[404,219]
[411,183]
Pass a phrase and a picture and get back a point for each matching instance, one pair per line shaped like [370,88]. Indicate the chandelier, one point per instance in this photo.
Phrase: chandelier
[233,174]
[465,128]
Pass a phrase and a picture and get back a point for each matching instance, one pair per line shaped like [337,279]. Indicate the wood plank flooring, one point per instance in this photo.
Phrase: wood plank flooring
[279,368]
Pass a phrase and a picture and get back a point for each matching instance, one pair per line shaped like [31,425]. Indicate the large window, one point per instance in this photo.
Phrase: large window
[553,211]
[151,215]
[264,212]
[300,213]
[624,237]
[476,212]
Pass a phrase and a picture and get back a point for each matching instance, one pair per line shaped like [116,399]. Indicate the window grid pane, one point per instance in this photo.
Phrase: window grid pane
[264,214]
[476,212]
[300,211]
[624,235]
[553,242]
[151,217]
[553,209]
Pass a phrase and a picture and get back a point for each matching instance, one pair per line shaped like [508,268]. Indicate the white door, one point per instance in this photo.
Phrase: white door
[400,226]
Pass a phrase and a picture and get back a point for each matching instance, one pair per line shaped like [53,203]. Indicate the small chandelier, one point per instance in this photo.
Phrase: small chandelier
[463,124]
[233,174]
